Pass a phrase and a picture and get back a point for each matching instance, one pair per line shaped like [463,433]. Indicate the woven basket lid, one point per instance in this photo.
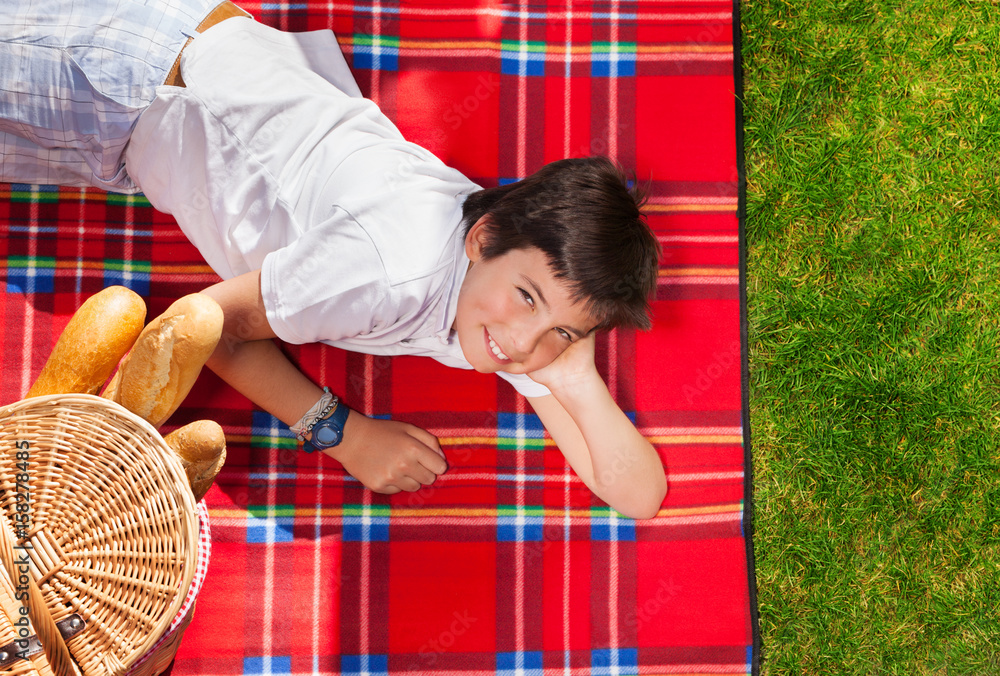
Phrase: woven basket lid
[111,528]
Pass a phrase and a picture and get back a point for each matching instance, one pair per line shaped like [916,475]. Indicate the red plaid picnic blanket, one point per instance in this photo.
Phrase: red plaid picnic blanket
[507,564]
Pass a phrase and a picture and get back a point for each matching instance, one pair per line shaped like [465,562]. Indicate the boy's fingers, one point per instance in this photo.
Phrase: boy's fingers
[421,474]
[431,442]
[434,461]
[408,484]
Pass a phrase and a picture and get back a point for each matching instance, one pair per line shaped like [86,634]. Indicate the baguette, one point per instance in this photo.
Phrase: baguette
[163,365]
[201,447]
[93,342]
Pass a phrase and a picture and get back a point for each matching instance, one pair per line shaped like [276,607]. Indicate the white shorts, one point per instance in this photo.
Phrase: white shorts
[74,77]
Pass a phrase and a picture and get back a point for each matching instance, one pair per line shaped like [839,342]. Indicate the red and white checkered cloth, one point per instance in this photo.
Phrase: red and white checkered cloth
[201,571]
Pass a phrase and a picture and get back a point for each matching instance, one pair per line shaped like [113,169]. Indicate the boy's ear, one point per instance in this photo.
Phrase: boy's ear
[476,239]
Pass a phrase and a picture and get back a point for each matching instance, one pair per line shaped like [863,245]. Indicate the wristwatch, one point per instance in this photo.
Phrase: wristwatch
[328,431]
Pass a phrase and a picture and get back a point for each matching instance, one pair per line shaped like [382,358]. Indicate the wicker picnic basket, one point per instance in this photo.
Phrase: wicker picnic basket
[99,540]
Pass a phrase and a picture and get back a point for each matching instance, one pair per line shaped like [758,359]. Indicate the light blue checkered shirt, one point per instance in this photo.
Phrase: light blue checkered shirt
[74,77]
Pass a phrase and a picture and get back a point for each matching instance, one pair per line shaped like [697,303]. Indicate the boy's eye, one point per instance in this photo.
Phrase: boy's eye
[564,334]
[527,297]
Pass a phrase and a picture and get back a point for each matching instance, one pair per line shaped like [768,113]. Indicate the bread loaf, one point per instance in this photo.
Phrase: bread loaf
[92,344]
[159,372]
[201,447]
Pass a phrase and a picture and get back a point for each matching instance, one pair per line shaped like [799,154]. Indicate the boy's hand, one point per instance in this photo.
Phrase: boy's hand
[389,456]
[574,366]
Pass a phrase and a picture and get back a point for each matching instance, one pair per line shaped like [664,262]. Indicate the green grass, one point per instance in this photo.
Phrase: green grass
[873,228]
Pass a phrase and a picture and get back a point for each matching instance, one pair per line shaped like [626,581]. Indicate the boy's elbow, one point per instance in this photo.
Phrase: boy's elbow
[656,503]
[648,498]
[650,506]
[642,504]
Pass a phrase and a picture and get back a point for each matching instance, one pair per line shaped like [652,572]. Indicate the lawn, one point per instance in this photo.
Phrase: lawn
[873,228]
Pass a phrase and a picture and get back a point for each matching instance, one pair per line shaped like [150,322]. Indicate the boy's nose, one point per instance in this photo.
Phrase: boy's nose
[526,340]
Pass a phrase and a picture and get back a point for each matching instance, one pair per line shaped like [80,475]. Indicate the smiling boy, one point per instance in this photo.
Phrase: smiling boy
[327,225]
[520,312]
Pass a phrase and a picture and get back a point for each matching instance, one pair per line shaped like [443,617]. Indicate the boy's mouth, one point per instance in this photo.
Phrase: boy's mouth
[494,349]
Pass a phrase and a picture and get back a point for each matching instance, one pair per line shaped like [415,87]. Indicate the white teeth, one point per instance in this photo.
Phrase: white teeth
[496,350]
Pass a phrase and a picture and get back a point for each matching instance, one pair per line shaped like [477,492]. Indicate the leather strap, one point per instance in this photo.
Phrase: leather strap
[227,10]
[26,647]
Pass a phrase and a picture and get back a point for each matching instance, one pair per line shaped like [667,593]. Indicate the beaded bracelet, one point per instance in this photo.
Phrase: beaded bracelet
[320,410]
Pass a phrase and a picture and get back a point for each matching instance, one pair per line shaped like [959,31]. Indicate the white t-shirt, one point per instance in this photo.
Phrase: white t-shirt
[269,158]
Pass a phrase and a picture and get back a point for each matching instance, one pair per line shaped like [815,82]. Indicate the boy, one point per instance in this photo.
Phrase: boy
[326,225]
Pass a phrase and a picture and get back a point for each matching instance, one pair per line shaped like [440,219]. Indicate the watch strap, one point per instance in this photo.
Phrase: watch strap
[336,418]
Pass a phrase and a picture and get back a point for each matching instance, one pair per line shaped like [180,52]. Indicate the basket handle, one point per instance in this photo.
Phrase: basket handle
[17,568]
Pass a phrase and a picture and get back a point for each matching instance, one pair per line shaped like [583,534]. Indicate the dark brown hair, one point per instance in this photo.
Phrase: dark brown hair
[582,214]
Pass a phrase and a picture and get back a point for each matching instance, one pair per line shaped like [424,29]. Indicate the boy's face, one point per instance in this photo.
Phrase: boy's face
[514,315]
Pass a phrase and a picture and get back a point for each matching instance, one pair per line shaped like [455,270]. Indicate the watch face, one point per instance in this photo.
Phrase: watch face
[327,436]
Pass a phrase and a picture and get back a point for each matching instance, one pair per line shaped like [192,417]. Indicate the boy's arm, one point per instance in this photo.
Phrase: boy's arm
[384,455]
[598,440]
